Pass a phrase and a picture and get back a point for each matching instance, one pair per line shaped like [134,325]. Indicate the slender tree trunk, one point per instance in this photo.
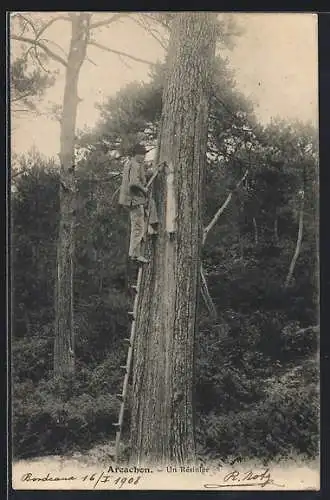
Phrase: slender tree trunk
[255,227]
[298,244]
[206,296]
[64,317]
[27,322]
[162,422]
[101,271]
[276,238]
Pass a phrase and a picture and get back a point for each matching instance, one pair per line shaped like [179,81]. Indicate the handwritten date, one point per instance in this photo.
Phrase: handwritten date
[106,478]
[94,479]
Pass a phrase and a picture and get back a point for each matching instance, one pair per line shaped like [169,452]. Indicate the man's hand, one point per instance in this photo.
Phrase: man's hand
[138,190]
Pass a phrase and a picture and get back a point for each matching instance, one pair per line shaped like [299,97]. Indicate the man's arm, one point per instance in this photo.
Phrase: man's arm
[135,184]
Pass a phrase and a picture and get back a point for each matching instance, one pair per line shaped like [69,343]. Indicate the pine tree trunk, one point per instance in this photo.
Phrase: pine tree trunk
[64,318]
[162,422]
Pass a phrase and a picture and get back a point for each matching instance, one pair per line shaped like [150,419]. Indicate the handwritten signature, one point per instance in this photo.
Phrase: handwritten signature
[243,478]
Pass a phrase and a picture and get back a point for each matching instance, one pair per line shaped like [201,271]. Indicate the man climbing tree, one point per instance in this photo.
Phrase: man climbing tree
[134,196]
[162,427]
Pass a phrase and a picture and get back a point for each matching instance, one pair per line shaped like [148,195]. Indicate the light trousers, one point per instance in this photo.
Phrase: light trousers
[139,218]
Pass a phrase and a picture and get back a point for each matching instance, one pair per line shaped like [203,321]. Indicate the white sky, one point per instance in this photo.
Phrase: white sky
[275,61]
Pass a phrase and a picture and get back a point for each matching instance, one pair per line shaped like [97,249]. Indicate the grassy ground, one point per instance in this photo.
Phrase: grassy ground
[91,471]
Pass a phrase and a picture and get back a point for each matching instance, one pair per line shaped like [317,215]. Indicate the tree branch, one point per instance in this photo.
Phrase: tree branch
[222,208]
[16,174]
[107,21]
[125,62]
[158,20]
[21,97]
[39,60]
[114,195]
[19,110]
[119,53]
[91,61]
[206,295]
[47,25]
[27,22]
[109,178]
[42,40]
[146,26]
[49,52]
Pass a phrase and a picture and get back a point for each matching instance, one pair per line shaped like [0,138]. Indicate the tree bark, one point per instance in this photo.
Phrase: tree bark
[162,422]
[64,314]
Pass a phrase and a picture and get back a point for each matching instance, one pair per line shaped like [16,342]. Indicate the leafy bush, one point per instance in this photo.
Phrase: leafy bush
[55,417]
[286,419]
[32,358]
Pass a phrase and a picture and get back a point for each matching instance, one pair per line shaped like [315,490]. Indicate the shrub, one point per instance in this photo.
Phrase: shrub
[285,420]
[32,358]
[57,416]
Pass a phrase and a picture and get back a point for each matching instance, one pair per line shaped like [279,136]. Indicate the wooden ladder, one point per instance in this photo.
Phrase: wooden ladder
[128,366]
[130,340]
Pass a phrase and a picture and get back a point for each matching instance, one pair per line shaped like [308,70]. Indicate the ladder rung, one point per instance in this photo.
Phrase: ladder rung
[121,397]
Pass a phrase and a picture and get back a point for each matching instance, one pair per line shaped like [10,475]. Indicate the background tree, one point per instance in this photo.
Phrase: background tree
[26,86]
[81,36]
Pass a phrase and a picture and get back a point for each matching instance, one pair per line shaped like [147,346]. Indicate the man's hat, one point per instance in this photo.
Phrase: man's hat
[138,149]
